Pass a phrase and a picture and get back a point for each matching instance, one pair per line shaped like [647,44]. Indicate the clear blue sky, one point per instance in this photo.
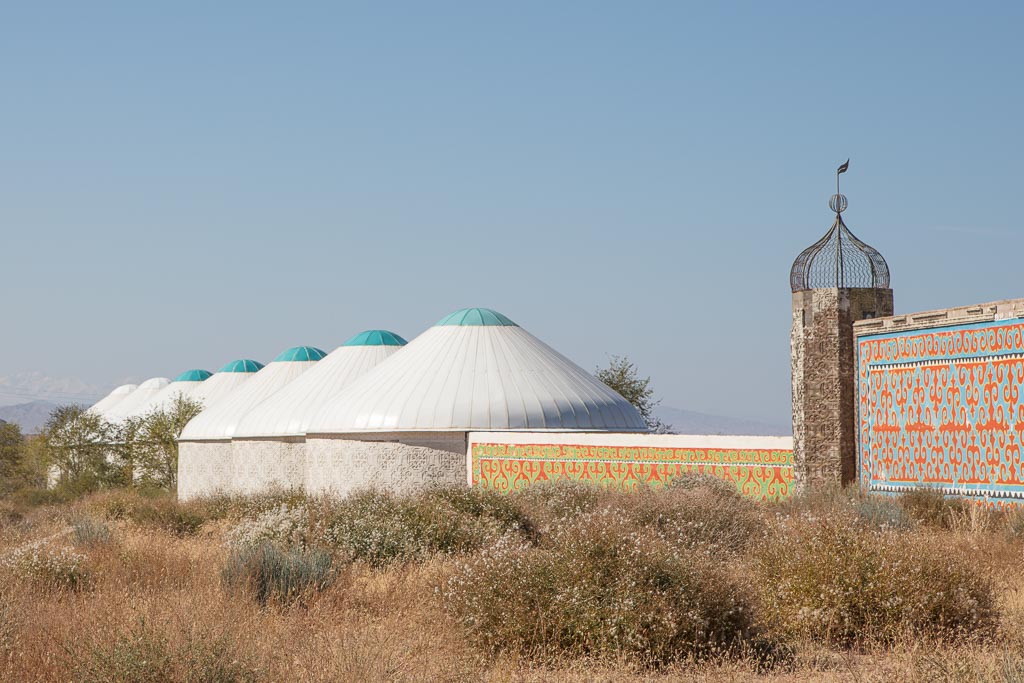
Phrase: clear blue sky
[189,184]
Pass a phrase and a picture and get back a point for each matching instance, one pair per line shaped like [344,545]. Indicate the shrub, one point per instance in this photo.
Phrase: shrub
[142,654]
[161,512]
[697,515]
[845,586]
[600,588]
[284,526]
[933,509]
[1013,521]
[33,497]
[270,572]
[139,656]
[883,513]
[380,528]
[55,569]
[89,532]
[560,500]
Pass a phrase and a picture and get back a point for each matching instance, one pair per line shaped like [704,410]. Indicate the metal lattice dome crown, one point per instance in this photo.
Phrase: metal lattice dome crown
[839,259]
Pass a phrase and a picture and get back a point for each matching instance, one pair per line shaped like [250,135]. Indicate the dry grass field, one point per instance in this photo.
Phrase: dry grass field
[561,584]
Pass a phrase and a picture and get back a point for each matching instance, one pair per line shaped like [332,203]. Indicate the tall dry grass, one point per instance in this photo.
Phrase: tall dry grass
[664,569]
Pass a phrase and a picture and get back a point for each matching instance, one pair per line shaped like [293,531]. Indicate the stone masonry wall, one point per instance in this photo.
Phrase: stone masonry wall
[823,368]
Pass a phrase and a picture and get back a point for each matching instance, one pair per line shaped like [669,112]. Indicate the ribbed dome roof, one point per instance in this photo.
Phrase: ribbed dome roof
[289,411]
[146,391]
[112,399]
[215,389]
[300,354]
[184,385]
[219,421]
[242,365]
[839,260]
[193,376]
[464,375]
[476,316]
[376,338]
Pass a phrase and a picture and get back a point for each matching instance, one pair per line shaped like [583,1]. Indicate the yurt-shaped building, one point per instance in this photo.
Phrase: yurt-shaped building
[204,447]
[404,424]
[183,386]
[268,445]
[107,403]
[146,391]
[224,381]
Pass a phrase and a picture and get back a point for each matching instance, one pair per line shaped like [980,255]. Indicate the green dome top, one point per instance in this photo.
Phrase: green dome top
[193,376]
[476,316]
[242,365]
[376,338]
[300,353]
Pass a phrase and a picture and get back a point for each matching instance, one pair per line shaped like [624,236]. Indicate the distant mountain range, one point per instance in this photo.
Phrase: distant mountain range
[23,387]
[29,416]
[692,422]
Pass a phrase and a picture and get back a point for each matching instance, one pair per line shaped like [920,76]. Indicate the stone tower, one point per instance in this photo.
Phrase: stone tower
[836,281]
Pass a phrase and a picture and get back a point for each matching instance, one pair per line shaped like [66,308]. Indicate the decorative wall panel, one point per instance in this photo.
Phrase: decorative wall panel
[764,474]
[941,408]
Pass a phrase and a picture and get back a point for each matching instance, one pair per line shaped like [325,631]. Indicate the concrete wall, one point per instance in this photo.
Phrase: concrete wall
[760,466]
[822,363]
[398,462]
[939,404]
[262,465]
[204,468]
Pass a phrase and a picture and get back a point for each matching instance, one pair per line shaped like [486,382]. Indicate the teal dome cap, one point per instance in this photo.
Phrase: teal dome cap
[476,316]
[376,338]
[242,365]
[300,353]
[193,376]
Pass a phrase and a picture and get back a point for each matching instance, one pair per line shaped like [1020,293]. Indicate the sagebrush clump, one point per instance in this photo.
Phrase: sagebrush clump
[601,587]
[49,566]
[285,575]
[382,528]
[842,585]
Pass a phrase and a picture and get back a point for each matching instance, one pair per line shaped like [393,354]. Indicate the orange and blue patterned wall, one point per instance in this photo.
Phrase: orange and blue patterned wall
[941,408]
[759,467]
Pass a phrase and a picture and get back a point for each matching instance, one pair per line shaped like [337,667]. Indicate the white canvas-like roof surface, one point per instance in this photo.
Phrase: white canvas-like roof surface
[289,411]
[146,391]
[112,399]
[213,390]
[220,421]
[476,371]
[166,397]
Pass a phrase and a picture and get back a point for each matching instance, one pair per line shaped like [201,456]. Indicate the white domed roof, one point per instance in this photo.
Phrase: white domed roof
[112,399]
[476,370]
[288,412]
[146,391]
[225,381]
[183,385]
[219,421]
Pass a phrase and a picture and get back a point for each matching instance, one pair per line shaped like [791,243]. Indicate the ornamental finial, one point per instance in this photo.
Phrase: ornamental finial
[838,201]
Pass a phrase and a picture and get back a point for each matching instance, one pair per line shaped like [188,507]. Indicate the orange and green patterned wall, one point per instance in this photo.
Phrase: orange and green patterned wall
[759,467]
[941,408]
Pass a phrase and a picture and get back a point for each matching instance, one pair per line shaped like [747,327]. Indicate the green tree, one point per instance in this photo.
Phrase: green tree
[35,461]
[80,446]
[11,443]
[153,443]
[622,376]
